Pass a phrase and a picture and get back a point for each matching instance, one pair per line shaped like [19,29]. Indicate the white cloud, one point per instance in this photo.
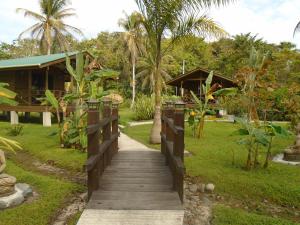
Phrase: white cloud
[272,20]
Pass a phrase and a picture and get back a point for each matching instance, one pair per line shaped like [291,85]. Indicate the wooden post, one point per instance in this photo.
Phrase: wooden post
[115,129]
[169,112]
[179,123]
[163,130]
[29,87]
[93,146]
[47,79]
[107,131]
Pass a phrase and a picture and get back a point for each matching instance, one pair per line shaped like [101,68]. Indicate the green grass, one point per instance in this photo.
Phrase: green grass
[52,194]
[212,162]
[38,142]
[228,216]
[126,115]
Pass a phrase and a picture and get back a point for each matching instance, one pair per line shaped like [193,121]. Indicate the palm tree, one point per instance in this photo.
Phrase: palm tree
[133,39]
[146,73]
[175,19]
[50,27]
[297,28]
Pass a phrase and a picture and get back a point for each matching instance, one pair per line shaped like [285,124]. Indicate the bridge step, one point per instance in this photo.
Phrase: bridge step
[131,217]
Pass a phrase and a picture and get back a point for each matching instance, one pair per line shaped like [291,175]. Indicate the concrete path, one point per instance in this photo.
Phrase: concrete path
[136,189]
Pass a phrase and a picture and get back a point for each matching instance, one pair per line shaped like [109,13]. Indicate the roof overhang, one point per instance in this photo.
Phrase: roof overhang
[41,65]
[197,75]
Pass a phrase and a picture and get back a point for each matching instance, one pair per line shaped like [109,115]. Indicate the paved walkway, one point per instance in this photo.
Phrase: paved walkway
[136,189]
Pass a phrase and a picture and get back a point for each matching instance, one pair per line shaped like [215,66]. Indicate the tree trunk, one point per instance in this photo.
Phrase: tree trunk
[201,126]
[133,85]
[268,155]
[155,137]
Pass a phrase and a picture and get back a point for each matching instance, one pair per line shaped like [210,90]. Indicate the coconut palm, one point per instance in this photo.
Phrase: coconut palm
[50,27]
[146,73]
[133,39]
[175,19]
[297,28]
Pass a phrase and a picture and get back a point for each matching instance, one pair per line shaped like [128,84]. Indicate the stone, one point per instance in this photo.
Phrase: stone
[25,189]
[193,188]
[12,200]
[202,188]
[7,184]
[210,187]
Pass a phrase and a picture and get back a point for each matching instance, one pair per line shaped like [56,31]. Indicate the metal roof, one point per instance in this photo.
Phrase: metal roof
[34,61]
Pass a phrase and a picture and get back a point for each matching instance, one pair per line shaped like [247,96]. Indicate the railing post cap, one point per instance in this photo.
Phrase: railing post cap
[180,105]
[106,102]
[115,105]
[93,104]
[169,104]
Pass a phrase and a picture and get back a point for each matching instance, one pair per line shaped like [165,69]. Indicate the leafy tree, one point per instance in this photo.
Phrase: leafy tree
[178,19]
[134,42]
[50,26]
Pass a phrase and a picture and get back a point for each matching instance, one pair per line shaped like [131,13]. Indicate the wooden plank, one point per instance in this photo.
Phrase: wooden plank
[136,180]
[131,217]
[135,204]
[125,195]
[137,187]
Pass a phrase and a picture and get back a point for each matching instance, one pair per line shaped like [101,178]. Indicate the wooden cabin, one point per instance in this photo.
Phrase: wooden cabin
[30,77]
[193,81]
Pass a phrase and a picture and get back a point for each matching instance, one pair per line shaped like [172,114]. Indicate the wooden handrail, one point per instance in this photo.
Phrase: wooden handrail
[172,143]
[102,141]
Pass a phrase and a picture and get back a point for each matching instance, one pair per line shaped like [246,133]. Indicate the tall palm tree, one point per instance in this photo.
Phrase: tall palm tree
[133,39]
[146,73]
[50,27]
[175,19]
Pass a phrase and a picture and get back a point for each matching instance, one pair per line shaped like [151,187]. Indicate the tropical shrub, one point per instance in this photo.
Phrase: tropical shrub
[144,108]
[15,130]
[254,137]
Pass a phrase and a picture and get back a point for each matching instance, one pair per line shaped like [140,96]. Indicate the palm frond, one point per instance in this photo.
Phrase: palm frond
[31,14]
[297,28]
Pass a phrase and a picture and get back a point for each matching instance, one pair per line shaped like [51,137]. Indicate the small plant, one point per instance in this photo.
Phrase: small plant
[256,136]
[15,130]
[144,108]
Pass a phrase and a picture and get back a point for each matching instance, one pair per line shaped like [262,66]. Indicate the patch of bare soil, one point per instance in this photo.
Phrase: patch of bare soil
[197,204]
[74,206]
[30,162]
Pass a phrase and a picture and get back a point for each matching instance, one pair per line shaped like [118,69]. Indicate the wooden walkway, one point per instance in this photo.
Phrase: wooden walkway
[136,189]
[128,183]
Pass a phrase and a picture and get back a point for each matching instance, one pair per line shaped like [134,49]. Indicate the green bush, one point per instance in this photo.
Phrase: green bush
[15,130]
[144,108]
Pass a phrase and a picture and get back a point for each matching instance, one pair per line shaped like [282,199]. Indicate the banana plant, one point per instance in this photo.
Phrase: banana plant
[202,108]
[255,136]
[7,97]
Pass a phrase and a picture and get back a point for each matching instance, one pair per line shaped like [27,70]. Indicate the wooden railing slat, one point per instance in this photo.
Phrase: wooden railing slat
[101,148]
[172,145]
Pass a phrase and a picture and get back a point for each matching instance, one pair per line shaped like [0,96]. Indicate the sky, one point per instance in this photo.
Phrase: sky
[271,20]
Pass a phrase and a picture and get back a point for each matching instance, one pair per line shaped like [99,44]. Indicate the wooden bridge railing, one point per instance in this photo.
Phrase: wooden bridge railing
[102,141]
[172,142]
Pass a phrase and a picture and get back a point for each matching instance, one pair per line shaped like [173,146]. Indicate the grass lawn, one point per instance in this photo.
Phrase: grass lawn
[52,194]
[212,162]
[126,115]
[38,142]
